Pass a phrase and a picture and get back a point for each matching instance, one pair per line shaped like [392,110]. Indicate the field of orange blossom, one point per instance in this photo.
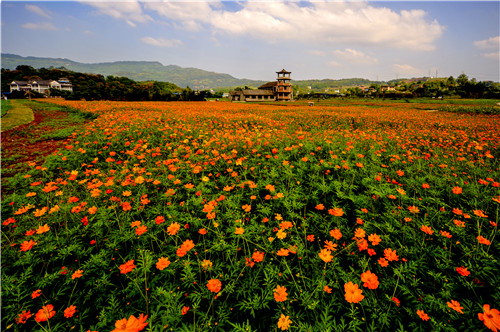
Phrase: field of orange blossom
[245,217]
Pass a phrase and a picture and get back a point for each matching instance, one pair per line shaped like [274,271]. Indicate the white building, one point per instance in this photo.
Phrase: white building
[41,86]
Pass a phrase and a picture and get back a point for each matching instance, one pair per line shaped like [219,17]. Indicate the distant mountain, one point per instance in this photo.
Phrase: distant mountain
[136,70]
[155,71]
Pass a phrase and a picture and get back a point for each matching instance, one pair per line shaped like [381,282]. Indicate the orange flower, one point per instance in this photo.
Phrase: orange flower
[126,206]
[23,317]
[70,311]
[131,325]
[46,313]
[335,233]
[325,255]
[206,264]
[184,310]
[455,306]
[330,245]
[159,219]
[383,262]
[239,230]
[187,245]
[284,322]
[463,271]
[286,225]
[214,285]
[280,294]
[445,234]
[352,293]
[36,293]
[370,280]
[413,209]
[246,207]
[425,186]
[283,252]
[141,230]
[77,274]
[162,263]
[390,255]
[490,317]
[43,229]
[327,289]
[181,252]
[483,240]
[173,228]
[359,233]
[270,187]
[426,229]
[320,207]
[135,224]
[27,245]
[281,235]
[457,190]
[202,231]
[422,315]
[337,212]
[40,212]
[127,267]
[374,239]
[258,256]
[480,213]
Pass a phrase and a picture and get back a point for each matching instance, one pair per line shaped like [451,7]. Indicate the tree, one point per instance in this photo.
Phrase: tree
[462,79]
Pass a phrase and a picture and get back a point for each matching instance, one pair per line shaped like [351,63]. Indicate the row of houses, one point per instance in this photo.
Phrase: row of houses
[42,86]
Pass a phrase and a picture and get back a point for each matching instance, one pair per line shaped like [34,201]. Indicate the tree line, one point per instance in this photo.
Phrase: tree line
[97,87]
[462,87]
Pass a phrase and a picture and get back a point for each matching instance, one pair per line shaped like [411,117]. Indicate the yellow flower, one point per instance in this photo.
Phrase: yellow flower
[281,235]
[284,322]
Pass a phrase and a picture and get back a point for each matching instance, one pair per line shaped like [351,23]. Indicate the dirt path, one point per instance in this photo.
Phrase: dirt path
[18,115]
[32,142]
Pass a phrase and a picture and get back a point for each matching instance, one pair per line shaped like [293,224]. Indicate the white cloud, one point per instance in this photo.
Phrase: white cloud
[129,11]
[317,52]
[405,69]
[188,15]
[321,22]
[493,55]
[493,42]
[88,32]
[39,26]
[353,56]
[39,11]
[161,42]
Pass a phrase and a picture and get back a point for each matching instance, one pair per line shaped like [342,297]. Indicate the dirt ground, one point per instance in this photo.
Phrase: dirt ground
[22,144]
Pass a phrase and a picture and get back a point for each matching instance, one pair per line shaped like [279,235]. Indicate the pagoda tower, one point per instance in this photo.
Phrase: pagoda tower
[284,90]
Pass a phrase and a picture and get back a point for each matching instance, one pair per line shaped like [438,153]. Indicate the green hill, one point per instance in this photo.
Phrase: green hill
[155,71]
[136,70]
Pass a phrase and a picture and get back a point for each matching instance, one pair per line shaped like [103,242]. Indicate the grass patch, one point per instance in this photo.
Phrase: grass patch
[476,109]
[17,115]
[6,106]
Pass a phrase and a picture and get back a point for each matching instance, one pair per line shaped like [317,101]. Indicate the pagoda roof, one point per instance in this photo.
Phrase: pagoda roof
[283,71]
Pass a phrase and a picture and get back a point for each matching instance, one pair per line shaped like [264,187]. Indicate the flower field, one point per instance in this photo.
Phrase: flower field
[246,217]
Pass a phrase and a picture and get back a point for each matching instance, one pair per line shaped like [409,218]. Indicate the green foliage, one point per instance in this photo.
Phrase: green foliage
[6,106]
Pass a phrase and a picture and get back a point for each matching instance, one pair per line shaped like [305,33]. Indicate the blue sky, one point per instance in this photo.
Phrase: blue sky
[253,39]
